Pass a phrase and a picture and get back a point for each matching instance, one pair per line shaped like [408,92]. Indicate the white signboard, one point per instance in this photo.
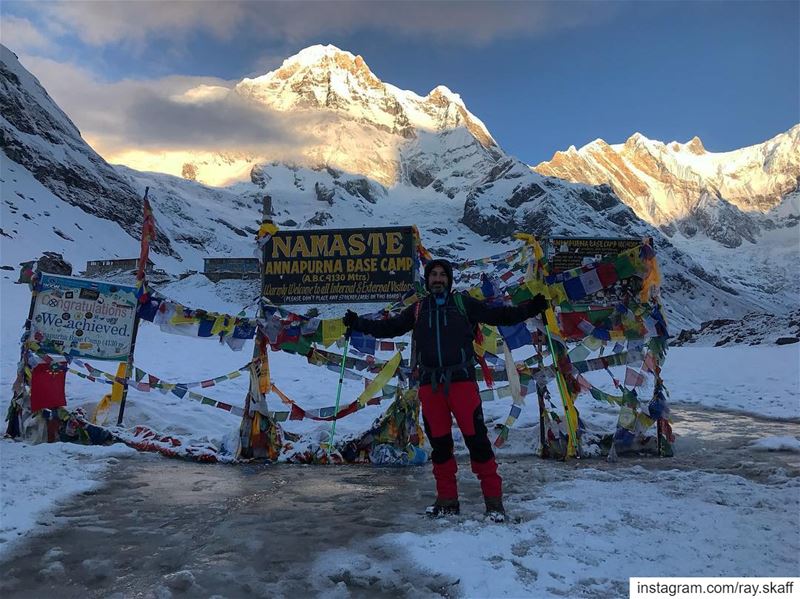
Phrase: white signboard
[84,318]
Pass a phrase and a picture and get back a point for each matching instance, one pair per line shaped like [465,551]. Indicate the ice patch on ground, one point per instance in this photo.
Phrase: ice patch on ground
[777,444]
[35,478]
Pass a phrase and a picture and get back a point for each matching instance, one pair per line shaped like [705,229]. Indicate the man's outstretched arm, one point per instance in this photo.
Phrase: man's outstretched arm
[391,327]
[478,311]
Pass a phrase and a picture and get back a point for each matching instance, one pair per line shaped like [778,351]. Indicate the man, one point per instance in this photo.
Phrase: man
[443,327]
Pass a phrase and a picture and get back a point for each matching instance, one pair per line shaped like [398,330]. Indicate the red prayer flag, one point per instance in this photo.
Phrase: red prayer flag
[607,274]
[47,388]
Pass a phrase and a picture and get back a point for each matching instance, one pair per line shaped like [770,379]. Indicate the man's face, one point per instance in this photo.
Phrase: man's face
[437,280]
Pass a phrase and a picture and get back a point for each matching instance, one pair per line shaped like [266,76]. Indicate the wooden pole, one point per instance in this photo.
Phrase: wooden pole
[266,212]
[253,392]
[143,257]
[128,369]
[22,382]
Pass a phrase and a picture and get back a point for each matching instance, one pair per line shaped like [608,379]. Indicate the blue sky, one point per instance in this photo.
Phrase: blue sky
[542,76]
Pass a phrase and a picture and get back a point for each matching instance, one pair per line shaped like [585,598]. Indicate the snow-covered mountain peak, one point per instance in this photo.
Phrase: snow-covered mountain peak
[684,187]
[639,143]
[352,121]
[329,79]
[318,60]
[442,94]
[316,54]
[695,146]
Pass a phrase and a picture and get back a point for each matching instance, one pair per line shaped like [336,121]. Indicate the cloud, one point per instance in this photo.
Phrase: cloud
[19,34]
[101,23]
[225,122]
[170,113]
[459,22]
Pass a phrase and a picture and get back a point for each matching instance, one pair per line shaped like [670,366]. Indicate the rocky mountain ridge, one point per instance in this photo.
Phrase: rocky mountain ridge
[36,134]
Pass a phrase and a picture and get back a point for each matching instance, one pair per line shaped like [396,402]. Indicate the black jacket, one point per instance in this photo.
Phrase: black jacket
[443,335]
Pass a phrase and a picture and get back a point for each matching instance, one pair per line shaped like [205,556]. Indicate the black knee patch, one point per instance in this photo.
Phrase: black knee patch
[480,449]
[442,446]
[442,449]
[479,446]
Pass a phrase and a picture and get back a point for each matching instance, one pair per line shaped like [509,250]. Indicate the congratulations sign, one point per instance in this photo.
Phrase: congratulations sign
[84,318]
[338,265]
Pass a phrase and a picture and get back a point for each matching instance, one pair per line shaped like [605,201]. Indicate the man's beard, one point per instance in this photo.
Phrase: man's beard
[438,287]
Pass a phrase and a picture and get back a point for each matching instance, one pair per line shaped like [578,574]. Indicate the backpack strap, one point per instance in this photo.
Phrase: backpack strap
[458,298]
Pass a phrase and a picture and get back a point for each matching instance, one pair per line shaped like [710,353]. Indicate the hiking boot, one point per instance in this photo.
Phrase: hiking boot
[443,507]
[494,509]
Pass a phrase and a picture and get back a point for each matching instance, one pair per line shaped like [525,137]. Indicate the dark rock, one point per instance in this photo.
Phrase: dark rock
[420,178]
[496,226]
[525,193]
[54,263]
[324,193]
[623,218]
[668,229]
[193,241]
[716,324]
[499,171]
[599,198]
[61,234]
[320,219]
[258,176]
[359,188]
[235,229]
[786,340]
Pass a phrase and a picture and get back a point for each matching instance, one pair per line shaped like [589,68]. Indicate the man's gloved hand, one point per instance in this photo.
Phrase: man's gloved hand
[350,319]
[537,305]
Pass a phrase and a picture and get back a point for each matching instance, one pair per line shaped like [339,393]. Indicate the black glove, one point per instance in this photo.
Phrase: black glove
[537,305]
[350,319]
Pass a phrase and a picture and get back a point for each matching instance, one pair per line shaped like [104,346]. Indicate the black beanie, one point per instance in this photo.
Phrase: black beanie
[448,270]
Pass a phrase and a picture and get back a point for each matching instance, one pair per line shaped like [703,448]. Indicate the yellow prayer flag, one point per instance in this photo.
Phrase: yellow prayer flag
[383,377]
[223,324]
[179,318]
[111,398]
[476,293]
[490,339]
[558,294]
[332,329]
[536,286]
[592,342]
[267,228]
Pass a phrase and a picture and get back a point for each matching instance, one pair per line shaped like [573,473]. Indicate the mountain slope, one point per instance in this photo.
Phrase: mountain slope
[36,134]
[443,172]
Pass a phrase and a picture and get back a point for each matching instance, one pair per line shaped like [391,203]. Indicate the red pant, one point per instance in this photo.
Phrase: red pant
[463,402]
